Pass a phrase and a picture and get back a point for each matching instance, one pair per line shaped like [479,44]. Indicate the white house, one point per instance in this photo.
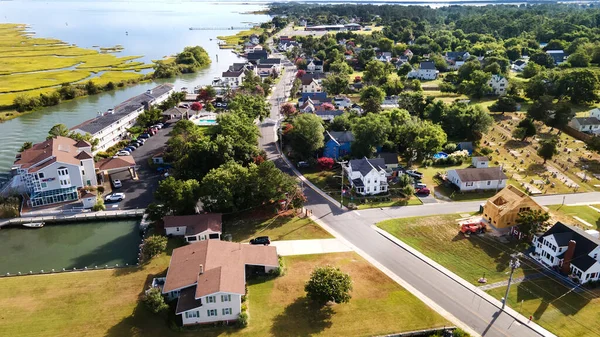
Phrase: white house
[310,84]
[252,48]
[574,251]
[519,65]
[456,59]
[209,278]
[233,79]
[594,113]
[586,124]
[53,171]
[479,162]
[499,84]
[273,61]
[426,71]
[367,176]
[111,127]
[314,66]
[254,39]
[342,101]
[265,70]
[193,228]
[474,179]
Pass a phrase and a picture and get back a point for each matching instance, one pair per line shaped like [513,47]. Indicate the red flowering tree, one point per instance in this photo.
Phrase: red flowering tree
[196,106]
[287,128]
[325,163]
[288,110]
[207,94]
[300,73]
[327,106]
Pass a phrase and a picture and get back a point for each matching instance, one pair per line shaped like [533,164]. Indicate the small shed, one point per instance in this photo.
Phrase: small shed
[88,199]
[158,158]
[479,162]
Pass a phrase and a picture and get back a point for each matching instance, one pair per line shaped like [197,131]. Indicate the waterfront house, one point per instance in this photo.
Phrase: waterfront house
[367,176]
[252,48]
[478,179]
[208,278]
[337,144]
[426,71]
[53,171]
[502,210]
[275,62]
[573,251]
[193,228]
[265,70]
[111,127]
[256,56]
[586,124]
[559,56]
[233,79]
[499,85]
[456,59]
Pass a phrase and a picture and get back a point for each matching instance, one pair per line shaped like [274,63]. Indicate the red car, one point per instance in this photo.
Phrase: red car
[424,191]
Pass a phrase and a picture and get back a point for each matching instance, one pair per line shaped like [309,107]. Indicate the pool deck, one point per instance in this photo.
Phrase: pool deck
[117,214]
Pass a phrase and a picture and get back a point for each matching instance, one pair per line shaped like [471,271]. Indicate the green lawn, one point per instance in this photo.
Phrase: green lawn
[564,313]
[438,238]
[105,303]
[586,213]
[277,228]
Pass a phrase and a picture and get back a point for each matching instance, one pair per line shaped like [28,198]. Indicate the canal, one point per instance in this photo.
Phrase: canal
[152,29]
[72,245]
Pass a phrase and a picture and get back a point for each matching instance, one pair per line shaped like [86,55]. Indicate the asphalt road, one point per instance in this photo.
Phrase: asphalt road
[468,307]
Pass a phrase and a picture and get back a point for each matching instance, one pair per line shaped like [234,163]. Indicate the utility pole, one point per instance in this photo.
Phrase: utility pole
[514,263]
[342,185]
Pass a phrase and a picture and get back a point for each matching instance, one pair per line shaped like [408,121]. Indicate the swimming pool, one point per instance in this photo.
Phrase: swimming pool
[205,121]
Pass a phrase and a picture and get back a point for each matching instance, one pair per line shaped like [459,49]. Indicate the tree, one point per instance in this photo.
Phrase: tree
[288,109]
[526,129]
[540,109]
[179,197]
[154,245]
[393,86]
[25,146]
[341,68]
[519,133]
[196,106]
[207,94]
[477,86]
[385,44]
[336,84]
[300,73]
[154,300]
[328,284]
[365,56]
[371,98]
[252,106]
[529,222]
[307,135]
[562,115]
[417,138]
[58,130]
[325,163]
[405,68]
[580,85]
[548,148]
[91,88]
[341,123]
[579,60]
[504,104]
[377,72]
[413,102]
[369,131]
[532,69]
[466,121]
[543,59]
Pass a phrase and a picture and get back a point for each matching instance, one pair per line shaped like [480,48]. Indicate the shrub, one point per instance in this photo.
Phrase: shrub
[450,147]
[325,163]
[485,151]
[153,246]
[460,333]
[280,270]
[242,320]
[328,284]
[99,206]
[155,301]
[100,189]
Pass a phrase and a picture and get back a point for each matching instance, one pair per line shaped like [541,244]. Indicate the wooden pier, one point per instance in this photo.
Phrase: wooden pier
[102,215]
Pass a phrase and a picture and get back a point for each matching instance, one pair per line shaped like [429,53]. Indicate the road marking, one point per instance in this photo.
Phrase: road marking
[357,213]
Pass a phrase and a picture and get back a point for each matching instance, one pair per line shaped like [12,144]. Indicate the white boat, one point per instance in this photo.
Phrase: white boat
[34,224]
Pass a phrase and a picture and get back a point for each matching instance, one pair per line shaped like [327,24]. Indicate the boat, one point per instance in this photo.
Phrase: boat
[34,224]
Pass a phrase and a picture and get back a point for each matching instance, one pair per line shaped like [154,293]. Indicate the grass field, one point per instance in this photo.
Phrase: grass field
[438,238]
[234,40]
[115,77]
[30,81]
[278,228]
[586,213]
[105,303]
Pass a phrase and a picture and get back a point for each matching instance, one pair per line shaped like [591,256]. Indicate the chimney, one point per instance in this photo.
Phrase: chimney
[149,91]
[201,269]
[566,266]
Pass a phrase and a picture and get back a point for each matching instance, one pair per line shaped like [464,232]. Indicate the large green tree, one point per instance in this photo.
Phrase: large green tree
[328,284]
[377,72]
[178,197]
[370,132]
[336,84]
[371,98]
[252,106]
[307,135]
[529,222]
[548,148]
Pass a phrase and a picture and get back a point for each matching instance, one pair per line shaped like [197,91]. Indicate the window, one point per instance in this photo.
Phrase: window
[192,314]
[191,238]
[489,183]
[82,172]
[211,299]
[211,312]
[226,311]
[368,189]
[44,185]
[63,172]
[225,298]
[368,181]
[41,175]
[81,162]
[469,183]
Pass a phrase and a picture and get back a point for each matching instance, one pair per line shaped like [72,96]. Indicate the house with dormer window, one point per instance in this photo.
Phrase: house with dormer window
[367,176]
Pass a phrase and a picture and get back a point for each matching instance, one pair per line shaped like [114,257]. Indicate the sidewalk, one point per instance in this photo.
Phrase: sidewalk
[304,247]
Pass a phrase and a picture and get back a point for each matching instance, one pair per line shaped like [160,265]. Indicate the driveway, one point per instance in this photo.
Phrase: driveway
[304,247]
[139,193]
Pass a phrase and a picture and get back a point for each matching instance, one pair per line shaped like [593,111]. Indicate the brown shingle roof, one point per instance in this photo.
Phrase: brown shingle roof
[480,174]
[83,155]
[216,266]
[63,149]
[115,163]
[83,143]
[196,223]
[187,301]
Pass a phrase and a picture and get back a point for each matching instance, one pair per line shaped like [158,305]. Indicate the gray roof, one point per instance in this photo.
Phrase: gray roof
[257,55]
[389,157]
[316,62]
[453,55]
[264,66]
[557,55]
[519,62]
[364,165]
[270,61]
[358,182]
[480,174]
[187,300]
[122,110]
[587,120]
[233,73]
[427,65]
[341,136]
[237,66]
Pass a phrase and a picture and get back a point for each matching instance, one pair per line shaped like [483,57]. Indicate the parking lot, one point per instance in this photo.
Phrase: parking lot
[139,193]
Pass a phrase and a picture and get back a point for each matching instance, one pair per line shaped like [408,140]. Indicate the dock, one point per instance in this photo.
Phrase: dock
[102,215]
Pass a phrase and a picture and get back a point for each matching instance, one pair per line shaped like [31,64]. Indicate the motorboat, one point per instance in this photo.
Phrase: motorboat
[34,224]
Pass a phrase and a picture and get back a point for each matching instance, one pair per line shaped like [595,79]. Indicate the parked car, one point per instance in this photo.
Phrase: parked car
[184,105]
[420,185]
[115,197]
[160,124]
[129,148]
[133,145]
[261,240]
[117,183]
[414,174]
[218,104]
[123,153]
[303,164]
[423,191]
[144,136]
[157,126]
[139,141]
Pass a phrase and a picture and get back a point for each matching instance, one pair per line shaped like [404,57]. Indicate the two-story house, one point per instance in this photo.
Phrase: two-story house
[367,176]
[499,85]
[573,251]
[233,79]
[314,66]
[208,278]
[111,127]
[194,228]
[310,84]
[476,179]
[426,71]
[586,124]
[502,210]
[456,59]
[337,144]
[52,171]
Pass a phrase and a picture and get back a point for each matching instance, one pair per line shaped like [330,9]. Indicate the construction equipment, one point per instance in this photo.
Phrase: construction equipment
[469,227]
